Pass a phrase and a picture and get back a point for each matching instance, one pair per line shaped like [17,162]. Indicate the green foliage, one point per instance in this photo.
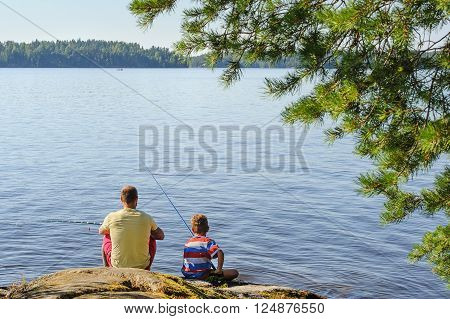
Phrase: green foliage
[147,10]
[389,85]
[85,54]
[438,199]
[436,248]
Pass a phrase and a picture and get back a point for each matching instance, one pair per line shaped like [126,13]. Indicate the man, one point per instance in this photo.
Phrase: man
[129,235]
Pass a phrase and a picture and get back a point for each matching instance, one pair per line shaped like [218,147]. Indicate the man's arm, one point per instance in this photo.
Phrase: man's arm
[104,228]
[157,234]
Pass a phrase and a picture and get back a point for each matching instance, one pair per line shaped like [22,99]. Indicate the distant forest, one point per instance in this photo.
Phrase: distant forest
[95,53]
[85,54]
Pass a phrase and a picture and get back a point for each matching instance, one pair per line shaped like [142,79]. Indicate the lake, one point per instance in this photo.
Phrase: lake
[71,138]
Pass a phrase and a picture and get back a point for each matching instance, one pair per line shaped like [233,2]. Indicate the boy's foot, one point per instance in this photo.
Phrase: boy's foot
[219,277]
[216,280]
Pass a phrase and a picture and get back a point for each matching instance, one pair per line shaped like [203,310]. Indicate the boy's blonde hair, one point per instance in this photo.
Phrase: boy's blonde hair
[199,224]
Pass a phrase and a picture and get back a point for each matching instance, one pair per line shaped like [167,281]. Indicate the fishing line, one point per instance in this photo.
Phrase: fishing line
[173,205]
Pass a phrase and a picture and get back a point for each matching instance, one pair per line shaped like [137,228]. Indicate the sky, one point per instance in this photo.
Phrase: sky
[91,19]
[85,19]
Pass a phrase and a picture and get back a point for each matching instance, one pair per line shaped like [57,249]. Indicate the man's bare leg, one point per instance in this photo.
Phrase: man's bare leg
[106,251]
[105,261]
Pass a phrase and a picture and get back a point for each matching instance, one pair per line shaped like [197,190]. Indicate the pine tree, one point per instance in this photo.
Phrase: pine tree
[389,86]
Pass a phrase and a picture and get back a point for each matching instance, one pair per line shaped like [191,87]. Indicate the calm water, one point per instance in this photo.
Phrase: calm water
[69,141]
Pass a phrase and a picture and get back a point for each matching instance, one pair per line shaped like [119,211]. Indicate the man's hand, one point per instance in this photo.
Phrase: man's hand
[158,234]
[102,231]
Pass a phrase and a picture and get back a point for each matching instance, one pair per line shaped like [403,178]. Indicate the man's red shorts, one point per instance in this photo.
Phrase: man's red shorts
[107,248]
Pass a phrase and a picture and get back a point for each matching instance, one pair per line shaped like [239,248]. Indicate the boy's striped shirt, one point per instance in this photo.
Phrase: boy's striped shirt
[198,252]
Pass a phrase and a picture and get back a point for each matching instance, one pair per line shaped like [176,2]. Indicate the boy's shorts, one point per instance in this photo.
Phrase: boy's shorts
[198,275]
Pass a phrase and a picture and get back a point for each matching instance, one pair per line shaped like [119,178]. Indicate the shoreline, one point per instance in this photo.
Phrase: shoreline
[127,283]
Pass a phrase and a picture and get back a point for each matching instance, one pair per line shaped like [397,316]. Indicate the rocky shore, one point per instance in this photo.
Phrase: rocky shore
[112,283]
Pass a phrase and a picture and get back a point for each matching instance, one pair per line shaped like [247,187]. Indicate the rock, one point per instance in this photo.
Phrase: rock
[3,292]
[126,283]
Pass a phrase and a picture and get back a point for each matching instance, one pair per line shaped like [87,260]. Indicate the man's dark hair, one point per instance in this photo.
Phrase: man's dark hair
[128,194]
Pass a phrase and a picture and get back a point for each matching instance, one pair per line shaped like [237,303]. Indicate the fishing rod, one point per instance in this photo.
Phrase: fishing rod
[68,221]
[170,201]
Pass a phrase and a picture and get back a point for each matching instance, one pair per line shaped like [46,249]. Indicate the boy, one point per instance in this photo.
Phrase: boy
[198,252]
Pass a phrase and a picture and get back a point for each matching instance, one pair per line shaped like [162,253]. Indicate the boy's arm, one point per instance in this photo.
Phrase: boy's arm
[220,260]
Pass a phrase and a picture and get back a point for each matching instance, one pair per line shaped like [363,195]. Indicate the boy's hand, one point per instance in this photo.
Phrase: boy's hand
[218,272]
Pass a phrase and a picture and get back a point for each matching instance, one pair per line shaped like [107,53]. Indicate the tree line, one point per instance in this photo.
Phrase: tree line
[108,54]
[85,54]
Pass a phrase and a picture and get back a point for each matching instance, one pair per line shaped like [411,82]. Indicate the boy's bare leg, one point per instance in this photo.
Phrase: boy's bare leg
[230,274]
